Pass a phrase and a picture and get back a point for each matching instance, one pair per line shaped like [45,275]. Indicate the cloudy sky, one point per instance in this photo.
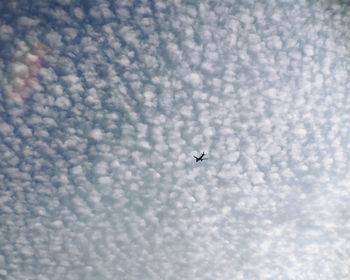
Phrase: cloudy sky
[103,103]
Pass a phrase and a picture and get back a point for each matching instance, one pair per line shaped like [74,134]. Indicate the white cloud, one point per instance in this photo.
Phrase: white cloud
[28,22]
[96,134]
[6,32]
[54,39]
[62,102]
[97,168]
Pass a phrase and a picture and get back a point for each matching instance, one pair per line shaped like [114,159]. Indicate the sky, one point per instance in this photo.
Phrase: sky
[104,103]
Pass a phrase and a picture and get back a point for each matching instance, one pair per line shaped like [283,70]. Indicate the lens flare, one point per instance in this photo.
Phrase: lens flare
[24,72]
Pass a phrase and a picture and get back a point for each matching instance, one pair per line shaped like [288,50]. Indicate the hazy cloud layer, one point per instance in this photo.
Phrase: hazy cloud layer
[104,103]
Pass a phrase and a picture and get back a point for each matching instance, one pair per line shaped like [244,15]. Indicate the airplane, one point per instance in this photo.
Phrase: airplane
[201,158]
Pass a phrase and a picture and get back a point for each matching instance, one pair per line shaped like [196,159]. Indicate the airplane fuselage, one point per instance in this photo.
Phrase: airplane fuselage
[201,158]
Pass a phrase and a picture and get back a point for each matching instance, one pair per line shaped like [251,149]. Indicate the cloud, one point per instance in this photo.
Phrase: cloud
[99,125]
[6,32]
[27,21]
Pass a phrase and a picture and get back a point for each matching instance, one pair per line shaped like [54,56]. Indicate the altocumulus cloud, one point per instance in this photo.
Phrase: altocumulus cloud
[103,104]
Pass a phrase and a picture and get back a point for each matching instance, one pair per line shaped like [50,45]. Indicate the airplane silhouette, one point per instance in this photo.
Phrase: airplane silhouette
[201,158]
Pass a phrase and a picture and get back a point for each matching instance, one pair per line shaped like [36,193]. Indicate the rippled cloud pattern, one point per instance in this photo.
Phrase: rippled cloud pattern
[103,103]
